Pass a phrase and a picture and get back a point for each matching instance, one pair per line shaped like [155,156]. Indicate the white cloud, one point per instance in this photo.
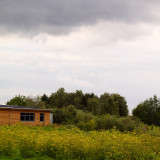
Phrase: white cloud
[105,57]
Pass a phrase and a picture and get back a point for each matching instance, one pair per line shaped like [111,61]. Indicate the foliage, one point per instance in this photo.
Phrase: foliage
[123,108]
[29,101]
[148,111]
[93,105]
[18,100]
[83,116]
[109,105]
[64,115]
[61,143]
[35,102]
[113,104]
[58,98]
[122,124]
[87,121]
[45,99]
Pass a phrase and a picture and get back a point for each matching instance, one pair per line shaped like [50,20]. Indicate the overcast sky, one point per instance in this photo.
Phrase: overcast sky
[93,45]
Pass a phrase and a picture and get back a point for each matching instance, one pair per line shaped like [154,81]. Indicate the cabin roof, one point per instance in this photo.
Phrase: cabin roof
[10,107]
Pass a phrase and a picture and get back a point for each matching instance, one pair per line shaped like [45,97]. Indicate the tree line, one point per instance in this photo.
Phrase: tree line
[87,111]
[113,104]
[67,106]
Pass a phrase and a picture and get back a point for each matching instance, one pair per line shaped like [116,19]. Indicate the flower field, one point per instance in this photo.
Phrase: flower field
[22,142]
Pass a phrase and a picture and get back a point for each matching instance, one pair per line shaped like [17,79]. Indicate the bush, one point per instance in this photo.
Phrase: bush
[74,144]
[65,115]
[125,124]
[112,122]
[82,116]
[105,122]
[87,121]
[88,126]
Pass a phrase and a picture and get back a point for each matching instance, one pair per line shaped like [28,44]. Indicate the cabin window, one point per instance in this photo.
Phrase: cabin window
[41,117]
[27,117]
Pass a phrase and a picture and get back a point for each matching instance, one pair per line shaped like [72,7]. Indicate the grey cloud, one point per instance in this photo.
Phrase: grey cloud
[61,16]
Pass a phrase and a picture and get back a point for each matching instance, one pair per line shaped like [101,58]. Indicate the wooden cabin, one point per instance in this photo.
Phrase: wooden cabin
[26,115]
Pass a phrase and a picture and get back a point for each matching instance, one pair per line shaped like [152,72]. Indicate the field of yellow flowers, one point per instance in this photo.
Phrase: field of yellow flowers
[61,143]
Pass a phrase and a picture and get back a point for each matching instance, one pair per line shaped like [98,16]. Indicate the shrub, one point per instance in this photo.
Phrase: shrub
[82,116]
[105,122]
[65,115]
[74,144]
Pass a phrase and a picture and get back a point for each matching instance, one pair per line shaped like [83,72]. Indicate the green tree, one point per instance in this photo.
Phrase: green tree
[93,105]
[70,99]
[108,105]
[78,97]
[148,111]
[18,100]
[122,104]
[35,102]
[45,98]
[86,97]
[59,98]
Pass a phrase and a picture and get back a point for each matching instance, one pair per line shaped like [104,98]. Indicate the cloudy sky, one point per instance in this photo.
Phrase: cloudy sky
[93,45]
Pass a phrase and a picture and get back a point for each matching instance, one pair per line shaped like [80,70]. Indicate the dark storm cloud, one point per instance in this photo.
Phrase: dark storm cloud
[60,16]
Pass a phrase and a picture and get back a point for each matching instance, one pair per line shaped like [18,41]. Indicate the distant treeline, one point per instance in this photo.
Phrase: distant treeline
[86,111]
[113,104]
[90,112]
[67,105]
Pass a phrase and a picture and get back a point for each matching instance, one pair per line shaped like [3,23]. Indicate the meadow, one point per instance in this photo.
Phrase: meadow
[70,143]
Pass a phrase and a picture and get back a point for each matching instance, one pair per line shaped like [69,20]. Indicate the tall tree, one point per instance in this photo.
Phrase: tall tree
[85,99]
[45,98]
[108,105]
[93,105]
[59,98]
[122,104]
[78,97]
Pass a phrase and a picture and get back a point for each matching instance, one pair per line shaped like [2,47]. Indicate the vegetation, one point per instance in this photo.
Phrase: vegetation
[86,111]
[149,111]
[85,127]
[68,142]
[20,100]
[87,121]
[113,104]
